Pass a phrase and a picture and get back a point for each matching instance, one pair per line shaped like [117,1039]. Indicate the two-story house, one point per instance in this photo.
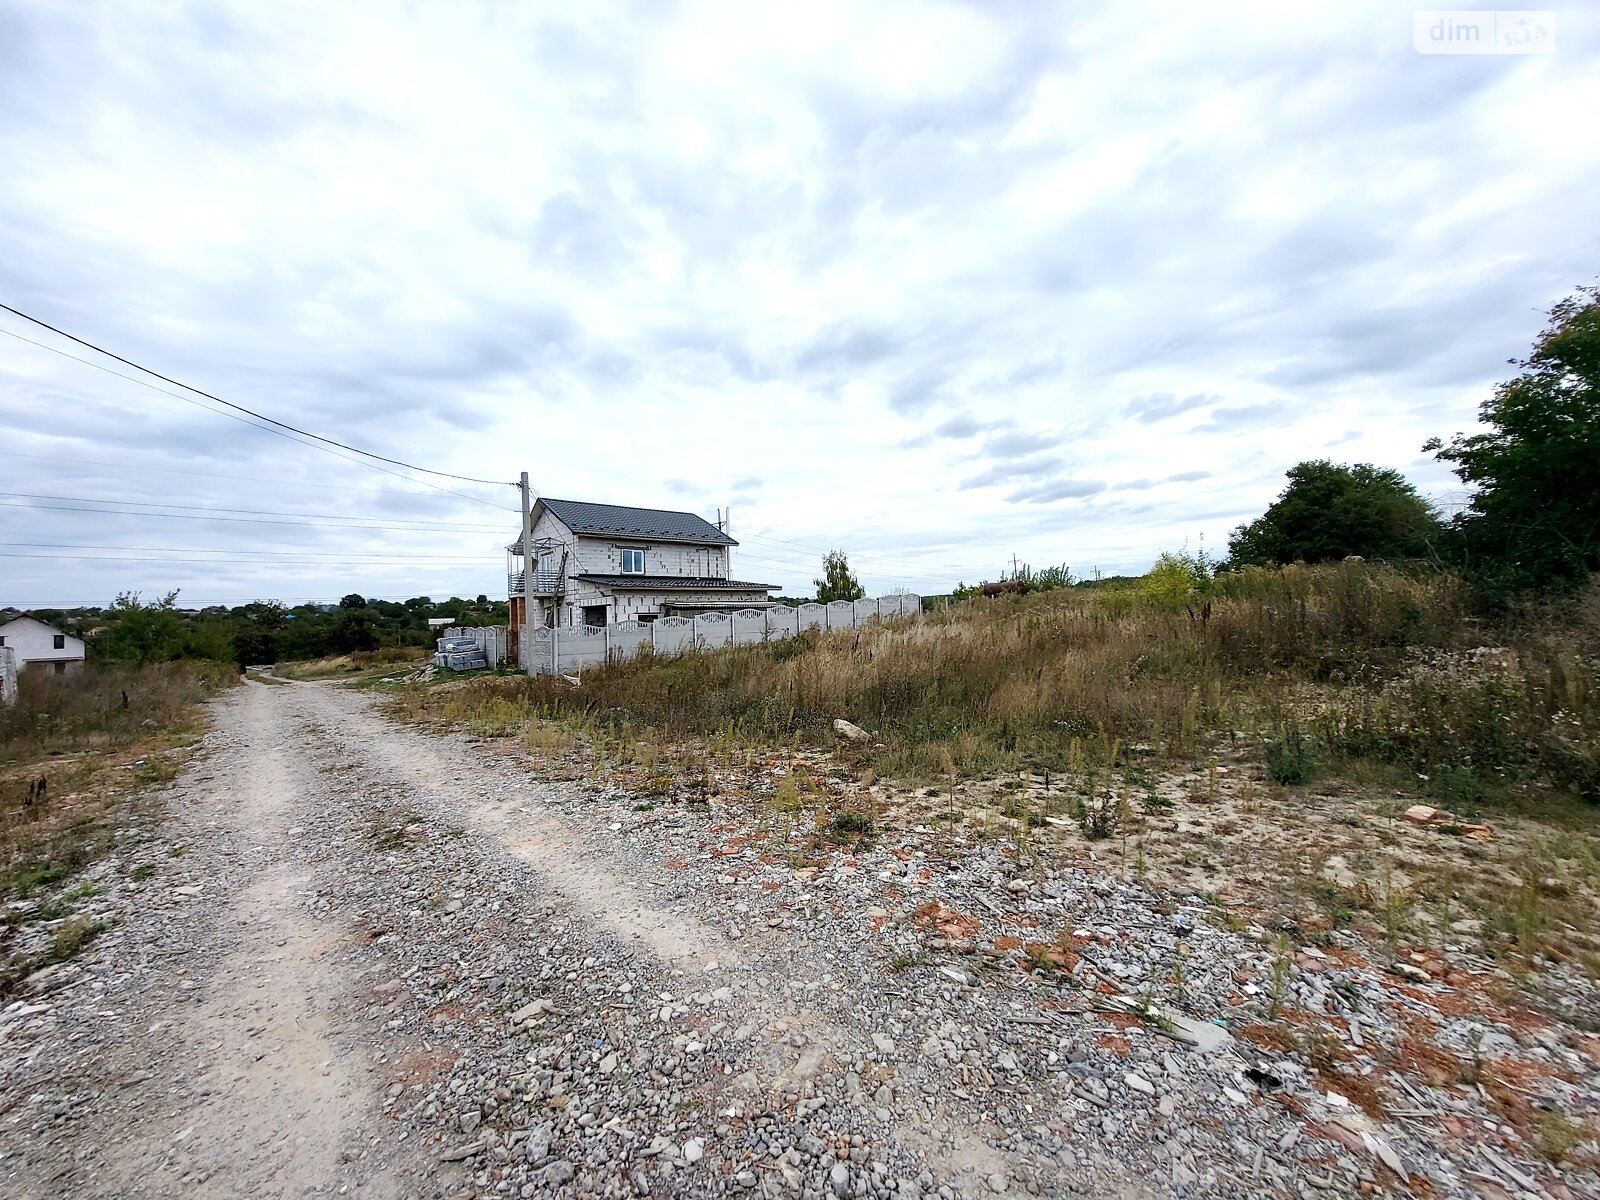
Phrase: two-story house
[598,564]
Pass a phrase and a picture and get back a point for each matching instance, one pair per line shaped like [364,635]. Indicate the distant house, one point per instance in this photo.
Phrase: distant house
[597,564]
[39,646]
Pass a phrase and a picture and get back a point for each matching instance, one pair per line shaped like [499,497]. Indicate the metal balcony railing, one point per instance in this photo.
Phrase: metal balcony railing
[545,583]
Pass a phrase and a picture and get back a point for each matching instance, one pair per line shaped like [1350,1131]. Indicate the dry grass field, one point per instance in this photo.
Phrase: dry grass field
[1258,745]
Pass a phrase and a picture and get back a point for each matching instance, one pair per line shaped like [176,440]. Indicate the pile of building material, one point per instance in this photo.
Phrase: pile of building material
[460,654]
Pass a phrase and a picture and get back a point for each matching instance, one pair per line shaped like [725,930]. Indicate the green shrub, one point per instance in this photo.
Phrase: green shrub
[1290,760]
[849,822]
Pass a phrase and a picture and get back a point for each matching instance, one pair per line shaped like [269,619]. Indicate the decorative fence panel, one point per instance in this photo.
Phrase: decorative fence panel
[713,630]
[627,637]
[582,647]
[568,651]
[782,622]
[673,635]
[749,626]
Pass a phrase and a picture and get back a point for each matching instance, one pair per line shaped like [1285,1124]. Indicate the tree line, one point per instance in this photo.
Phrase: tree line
[133,629]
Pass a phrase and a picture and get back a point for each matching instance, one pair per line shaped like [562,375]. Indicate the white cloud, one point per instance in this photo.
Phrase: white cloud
[933,283]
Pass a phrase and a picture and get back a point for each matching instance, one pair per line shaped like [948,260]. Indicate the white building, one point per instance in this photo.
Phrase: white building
[598,564]
[33,642]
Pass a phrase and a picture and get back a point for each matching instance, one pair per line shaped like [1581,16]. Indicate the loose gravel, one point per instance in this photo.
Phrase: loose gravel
[358,959]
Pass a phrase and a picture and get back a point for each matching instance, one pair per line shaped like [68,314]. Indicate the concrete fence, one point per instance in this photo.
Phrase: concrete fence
[568,651]
[8,675]
[491,639]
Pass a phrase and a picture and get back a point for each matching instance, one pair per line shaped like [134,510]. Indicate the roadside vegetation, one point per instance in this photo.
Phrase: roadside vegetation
[80,751]
[1324,667]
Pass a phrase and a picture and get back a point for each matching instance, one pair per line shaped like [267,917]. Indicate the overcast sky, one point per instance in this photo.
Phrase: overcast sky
[935,284]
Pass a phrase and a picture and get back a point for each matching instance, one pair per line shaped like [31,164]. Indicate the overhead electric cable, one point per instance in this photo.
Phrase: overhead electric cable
[262,512]
[251,553]
[160,516]
[300,483]
[251,424]
[322,564]
[128,362]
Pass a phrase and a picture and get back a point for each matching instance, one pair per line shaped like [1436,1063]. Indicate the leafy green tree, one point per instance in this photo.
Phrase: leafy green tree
[353,600]
[837,582]
[263,614]
[143,633]
[1330,511]
[353,630]
[1534,521]
[253,645]
[211,638]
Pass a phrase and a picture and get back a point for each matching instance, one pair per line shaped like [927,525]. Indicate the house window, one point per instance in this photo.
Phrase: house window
[60,641]
[633,562]
[61,668]
[594,615]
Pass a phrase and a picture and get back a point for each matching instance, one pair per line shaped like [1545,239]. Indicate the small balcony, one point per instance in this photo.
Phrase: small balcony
[545,584]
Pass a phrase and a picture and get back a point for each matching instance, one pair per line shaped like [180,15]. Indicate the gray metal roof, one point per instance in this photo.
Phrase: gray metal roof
[674,583]
[647,524]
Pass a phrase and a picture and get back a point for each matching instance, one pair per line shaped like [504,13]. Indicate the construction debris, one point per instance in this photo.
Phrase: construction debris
[1425,814]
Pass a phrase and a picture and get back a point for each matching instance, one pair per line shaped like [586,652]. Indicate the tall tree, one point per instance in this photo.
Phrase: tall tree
[1331,510]
[1534,520]
[837,582]
[140,632]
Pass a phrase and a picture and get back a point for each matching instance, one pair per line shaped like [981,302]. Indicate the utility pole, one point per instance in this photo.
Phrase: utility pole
[526,638]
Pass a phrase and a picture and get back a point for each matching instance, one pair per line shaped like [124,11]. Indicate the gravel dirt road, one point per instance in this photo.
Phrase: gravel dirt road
[356,959]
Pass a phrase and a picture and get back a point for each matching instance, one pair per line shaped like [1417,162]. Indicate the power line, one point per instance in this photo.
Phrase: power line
[303,483]
[252,425]
[399,526]
[257,512]
[128,362]
[194,605]
[251,553]
[277,562]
